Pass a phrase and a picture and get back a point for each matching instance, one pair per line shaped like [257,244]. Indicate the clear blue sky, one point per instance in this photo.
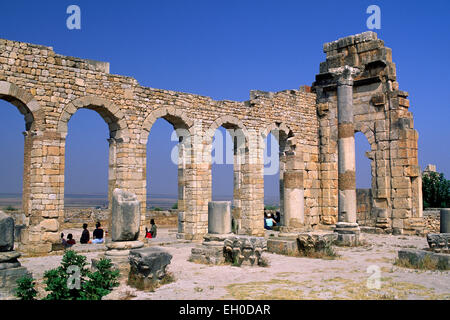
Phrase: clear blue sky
[224,49]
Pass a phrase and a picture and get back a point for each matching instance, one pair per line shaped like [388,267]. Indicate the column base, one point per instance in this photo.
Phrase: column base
[348,233]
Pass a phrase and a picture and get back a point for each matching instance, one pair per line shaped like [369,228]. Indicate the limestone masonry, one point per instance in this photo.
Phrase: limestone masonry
[355,90]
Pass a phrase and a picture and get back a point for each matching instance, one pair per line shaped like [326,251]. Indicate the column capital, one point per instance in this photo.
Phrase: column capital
[344,75]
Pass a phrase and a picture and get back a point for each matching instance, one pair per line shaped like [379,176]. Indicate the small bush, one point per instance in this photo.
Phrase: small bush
[175,206]
[25,288]
[72,281]
[10,208]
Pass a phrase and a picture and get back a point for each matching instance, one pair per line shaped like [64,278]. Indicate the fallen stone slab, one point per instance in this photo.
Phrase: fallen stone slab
[417,256]
[147,267]
[8,281]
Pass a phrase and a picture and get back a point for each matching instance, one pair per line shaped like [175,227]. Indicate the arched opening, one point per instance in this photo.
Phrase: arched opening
[229,167]
[272,190]
[168,154]
[86,171]
[86,162]
[162,174]
[15,164]
[222,166]
[284,162]
[364,183]
[11,163]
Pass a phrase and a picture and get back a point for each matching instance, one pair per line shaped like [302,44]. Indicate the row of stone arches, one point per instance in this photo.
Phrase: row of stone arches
[36,126]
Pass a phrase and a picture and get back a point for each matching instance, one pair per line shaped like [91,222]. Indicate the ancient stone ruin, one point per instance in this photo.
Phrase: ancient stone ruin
[356,90]
[10,268]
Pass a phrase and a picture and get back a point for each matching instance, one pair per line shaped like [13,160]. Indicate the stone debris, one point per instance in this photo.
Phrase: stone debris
[147,267]
[244,250]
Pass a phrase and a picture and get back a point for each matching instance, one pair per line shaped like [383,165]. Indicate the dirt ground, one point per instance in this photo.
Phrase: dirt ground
[353,275]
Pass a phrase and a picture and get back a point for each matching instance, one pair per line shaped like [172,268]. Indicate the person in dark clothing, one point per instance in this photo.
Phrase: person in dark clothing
[277,217]
[98,234]
[85,235]
[63,241]
[70,240]
[152,232]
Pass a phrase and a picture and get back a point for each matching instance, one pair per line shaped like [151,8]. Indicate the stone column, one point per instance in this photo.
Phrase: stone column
[347,228]
[293,193]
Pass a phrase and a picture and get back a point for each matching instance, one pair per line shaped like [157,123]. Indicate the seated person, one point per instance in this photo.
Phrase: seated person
[97,234]
[152,232]
[277,217]
[269,222]
[63,241]
[85,235]
[70,240]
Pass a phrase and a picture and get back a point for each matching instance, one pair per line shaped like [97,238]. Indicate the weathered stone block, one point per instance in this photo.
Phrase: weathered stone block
[244,249]
[147,267]
[125,216]
[438,240]
[315,242]
[282,246]
[8,281]
[219,217]
[6,232]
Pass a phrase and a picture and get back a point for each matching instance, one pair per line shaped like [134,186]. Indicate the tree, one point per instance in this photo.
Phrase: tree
[435,190]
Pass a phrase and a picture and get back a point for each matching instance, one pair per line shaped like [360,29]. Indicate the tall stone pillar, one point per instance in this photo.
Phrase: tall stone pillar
[347,228]
[293,192]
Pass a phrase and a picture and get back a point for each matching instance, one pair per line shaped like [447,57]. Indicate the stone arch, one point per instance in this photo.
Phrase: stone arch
[228,122]
[368,133]
[177,118]
[112,115]
[23,100]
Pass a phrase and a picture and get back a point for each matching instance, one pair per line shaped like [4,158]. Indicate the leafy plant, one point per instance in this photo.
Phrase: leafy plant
[73,281]
[435,190]
[175,206]
[10,208]
[25,288]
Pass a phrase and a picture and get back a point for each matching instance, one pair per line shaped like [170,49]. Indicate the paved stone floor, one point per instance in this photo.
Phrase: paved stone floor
[288,277]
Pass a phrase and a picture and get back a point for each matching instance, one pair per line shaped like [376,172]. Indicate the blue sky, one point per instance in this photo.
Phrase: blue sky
[224,49]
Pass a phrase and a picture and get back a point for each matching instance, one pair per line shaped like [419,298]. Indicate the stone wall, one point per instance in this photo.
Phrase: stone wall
[48,88]
[381,113]
[365,214]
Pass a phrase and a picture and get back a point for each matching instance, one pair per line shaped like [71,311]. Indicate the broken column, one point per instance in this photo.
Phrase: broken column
[219,217]
[347,228]
[10,268]
[219,229]
[445,220]
[125,223]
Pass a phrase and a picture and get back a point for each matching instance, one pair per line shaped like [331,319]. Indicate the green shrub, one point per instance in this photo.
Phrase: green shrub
[10,208]
[175,206]
[435,190]
[25,288]
[64,284]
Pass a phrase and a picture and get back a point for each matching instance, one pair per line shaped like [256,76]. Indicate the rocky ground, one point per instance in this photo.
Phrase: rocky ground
[347,277]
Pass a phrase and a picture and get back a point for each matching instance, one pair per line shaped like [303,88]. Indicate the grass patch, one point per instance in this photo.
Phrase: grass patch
[423,264]
[327,254]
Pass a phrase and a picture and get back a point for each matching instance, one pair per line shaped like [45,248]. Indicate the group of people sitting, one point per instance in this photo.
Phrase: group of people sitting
[97,236]
[271,221]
